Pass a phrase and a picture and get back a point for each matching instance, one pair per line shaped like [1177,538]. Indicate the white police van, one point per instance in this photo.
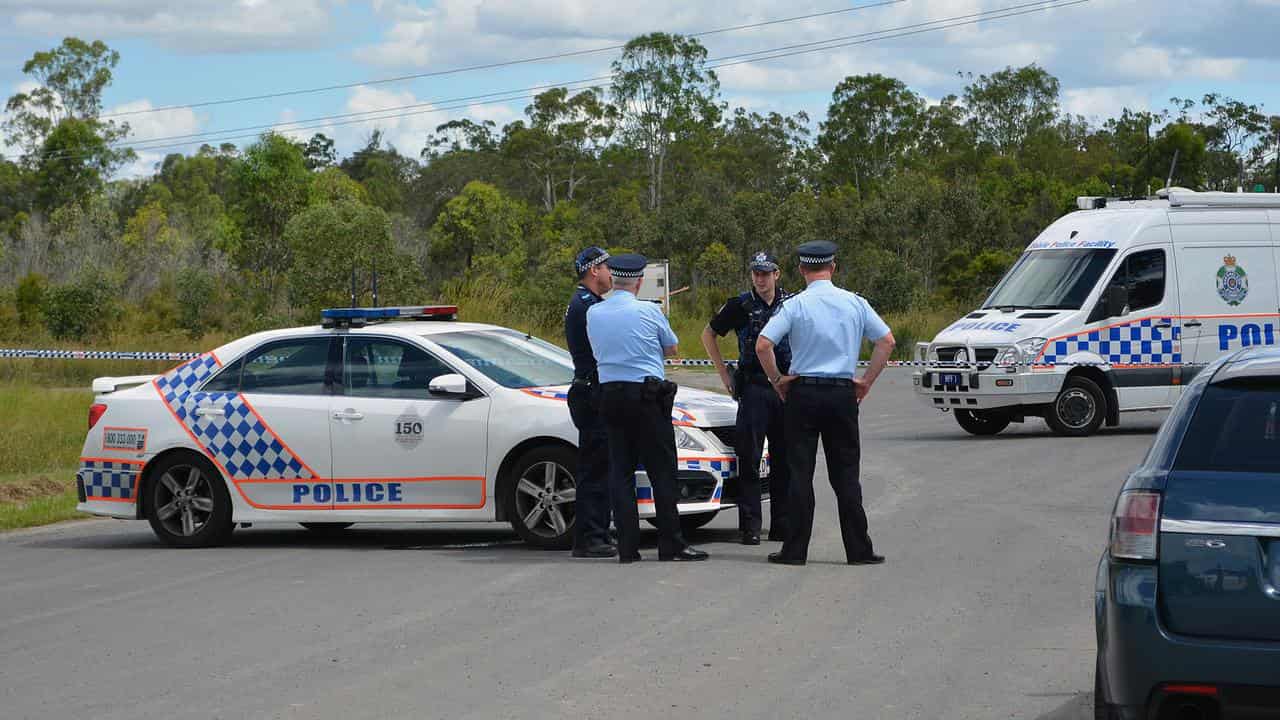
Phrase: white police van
[1111,309]
[373,416]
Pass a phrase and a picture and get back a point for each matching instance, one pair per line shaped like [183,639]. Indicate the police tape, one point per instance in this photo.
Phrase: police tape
[142,355]
[29,354]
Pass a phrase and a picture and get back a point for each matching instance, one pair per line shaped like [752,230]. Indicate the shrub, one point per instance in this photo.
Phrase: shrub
[28,298]
[81,310]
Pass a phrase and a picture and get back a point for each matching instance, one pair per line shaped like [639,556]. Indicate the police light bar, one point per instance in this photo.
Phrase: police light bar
[356,317]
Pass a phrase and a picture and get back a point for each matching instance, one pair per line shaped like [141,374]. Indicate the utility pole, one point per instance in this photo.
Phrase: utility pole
[1277,185]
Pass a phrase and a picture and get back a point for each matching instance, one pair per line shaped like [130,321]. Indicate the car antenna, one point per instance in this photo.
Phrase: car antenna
[375,283]
[353,285]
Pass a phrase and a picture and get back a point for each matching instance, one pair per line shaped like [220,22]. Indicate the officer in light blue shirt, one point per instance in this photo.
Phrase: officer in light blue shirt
[825,326]
[630,338]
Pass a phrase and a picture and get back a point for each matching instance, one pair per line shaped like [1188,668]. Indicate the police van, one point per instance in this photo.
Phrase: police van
[1111,309]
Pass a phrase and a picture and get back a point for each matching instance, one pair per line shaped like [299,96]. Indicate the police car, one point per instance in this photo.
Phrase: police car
[377,415]
[1113,308]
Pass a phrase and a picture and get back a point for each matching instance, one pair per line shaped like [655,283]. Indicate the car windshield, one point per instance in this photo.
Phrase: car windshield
[1050,279]
[510,358]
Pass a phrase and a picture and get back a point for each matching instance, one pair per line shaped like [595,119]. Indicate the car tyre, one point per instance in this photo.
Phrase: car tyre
[540,495]
[187,502]
[982,422]
[326,528]
[1079,409]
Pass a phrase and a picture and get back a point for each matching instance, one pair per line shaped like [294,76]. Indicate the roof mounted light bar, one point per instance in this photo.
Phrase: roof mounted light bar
[1189,198]
[359,317]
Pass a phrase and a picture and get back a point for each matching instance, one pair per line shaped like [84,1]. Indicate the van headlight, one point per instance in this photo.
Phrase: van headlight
[1023,351]
[685,440]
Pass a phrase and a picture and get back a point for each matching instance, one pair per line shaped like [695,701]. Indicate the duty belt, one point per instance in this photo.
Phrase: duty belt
[813,380]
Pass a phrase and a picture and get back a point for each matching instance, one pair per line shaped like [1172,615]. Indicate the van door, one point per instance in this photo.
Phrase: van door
[1137,338]
[1228,285]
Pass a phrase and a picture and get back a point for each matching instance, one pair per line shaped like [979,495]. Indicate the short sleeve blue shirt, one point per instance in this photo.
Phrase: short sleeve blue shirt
[825,325]
[627,337]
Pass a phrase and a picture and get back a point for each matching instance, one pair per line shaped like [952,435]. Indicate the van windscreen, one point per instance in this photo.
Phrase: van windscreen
[1050,279]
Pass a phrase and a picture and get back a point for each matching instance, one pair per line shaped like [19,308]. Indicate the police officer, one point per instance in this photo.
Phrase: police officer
[759,407]
[825,325]
[591,530]
[630,338]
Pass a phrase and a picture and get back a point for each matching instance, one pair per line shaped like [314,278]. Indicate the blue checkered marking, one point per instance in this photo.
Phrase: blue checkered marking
[106,479]
[1136,343]
[239,442]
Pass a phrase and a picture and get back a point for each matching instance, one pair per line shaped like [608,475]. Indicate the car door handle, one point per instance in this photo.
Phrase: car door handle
[1165,326]
[209,411]
[1191,323]
[348,415]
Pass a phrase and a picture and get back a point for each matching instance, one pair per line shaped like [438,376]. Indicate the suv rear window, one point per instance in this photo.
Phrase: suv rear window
[1236,428]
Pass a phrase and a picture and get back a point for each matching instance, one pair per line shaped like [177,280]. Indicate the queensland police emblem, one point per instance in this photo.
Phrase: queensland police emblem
[1233,284]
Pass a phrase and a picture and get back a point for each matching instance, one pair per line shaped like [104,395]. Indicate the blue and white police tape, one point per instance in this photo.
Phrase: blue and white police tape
[30,354]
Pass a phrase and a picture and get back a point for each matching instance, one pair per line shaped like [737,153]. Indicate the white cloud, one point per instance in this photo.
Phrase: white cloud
[189,27]
[156,125]
[1099,103]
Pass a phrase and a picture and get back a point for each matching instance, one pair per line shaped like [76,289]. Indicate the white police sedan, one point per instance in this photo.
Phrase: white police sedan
[378,415]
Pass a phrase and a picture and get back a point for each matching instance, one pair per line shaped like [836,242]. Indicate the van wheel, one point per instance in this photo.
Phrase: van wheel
[188,504]
[982,422]
[1079,409]
[540,498]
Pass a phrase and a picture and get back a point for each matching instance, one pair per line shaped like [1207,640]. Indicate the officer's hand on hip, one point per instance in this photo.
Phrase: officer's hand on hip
[782,385]
[860,388]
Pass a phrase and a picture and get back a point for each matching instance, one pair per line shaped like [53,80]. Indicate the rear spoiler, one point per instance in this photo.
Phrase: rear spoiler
[106,385]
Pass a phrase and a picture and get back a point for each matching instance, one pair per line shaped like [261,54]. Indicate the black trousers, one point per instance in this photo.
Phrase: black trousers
[640,433]
[591,506]
[829,412]
[760,417]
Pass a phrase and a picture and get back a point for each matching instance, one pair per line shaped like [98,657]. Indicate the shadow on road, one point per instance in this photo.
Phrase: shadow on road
[1079,707]
[1015,436]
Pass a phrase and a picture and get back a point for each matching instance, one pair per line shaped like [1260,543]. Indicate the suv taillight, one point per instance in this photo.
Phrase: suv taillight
[96,412]
[1134,529]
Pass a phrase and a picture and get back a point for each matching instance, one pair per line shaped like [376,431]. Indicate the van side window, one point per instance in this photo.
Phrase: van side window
[1142,275]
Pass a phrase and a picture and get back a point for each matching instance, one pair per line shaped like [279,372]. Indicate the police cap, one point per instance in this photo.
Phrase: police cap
[630,265]
[817,252]
[589,258]
[764,261]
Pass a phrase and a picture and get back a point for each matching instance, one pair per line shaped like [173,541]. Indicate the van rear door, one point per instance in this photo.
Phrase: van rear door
[1227,282]
[1219,554]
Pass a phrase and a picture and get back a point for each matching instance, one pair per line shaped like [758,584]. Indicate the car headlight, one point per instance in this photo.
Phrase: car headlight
[686,441]
[1030,348]
[922,352]
[1009,357]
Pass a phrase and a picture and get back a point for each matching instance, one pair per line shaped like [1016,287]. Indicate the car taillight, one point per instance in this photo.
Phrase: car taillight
[96,411]
[1134,527]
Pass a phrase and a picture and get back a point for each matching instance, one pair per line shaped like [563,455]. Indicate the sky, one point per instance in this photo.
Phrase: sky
[1108,55]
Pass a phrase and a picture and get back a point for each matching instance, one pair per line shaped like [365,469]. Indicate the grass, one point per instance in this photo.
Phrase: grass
[41,432]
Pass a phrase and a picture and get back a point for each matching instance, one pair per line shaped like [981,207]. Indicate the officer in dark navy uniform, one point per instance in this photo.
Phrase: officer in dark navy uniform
[630,337]
[591,526]
[759,407]
[826,326]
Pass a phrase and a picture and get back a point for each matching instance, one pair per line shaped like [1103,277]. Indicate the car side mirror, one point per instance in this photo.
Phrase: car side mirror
[452,385]
[1117,300]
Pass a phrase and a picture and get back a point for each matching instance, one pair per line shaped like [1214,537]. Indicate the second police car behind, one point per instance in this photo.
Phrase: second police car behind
[374,416]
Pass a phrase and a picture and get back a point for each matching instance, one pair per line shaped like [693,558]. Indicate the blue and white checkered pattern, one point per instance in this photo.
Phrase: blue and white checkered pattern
[722,469]
[236,439]
[110,480]
[1137,343]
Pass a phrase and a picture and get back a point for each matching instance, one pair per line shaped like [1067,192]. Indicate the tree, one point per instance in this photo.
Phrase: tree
[563,138]
[665,92]
[332,240]
[872,123]
[1010,105]
[319,152]
[479,230]
[383,171]
[272,185]
[57,125]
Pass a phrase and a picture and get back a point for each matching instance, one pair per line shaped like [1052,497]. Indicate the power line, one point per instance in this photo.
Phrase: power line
[493,65]
[511,95]
[713,63]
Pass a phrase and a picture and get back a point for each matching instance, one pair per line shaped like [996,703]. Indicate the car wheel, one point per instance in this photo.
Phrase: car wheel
[540,497]
[188,504]
[982,422]
[1078,410]
[1102,709]
[325,528]
[690,522]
